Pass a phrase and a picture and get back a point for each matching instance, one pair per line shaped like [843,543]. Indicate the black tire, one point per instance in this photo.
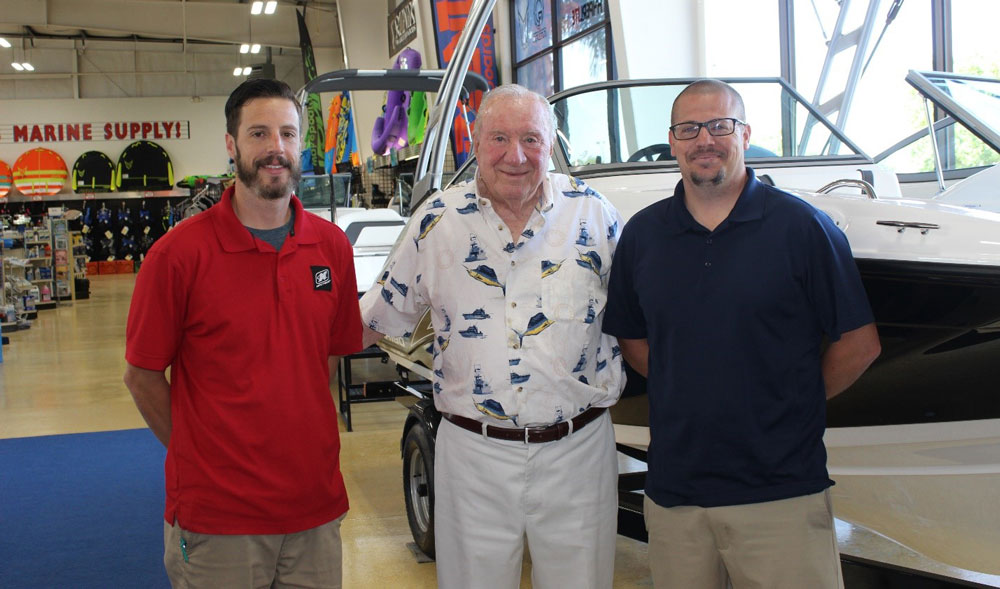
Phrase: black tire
[418,486]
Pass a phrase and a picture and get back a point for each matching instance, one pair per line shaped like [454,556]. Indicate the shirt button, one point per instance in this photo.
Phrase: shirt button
[512,262]
[520,389]
[516,346]
[500,227]
[708,264]
[708,241]
[513,305]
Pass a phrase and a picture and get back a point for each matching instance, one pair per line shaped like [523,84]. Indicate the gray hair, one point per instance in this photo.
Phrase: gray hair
[515,92]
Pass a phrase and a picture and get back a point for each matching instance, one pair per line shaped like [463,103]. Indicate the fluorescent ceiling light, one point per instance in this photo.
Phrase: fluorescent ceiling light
[4,43]
[256,7]
[237,71]
[271,6]
[28,66]
[255,48]
[246,71]
[16,66]
[245,48]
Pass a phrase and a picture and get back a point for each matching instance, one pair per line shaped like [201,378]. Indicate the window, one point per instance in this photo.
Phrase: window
[560,44]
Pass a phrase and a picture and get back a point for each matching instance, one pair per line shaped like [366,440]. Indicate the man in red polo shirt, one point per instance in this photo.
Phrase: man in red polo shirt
[247,303]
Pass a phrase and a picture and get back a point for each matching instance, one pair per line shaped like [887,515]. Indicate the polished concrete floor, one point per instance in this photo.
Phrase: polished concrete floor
[63,375]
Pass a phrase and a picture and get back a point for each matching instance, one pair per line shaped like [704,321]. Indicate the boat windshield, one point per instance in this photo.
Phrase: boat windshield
[973,101]
[621,121]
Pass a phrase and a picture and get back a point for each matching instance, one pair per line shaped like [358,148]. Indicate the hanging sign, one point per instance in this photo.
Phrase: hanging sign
[402,26]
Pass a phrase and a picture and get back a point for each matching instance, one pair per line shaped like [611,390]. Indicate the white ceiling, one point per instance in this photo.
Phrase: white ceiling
[129,48]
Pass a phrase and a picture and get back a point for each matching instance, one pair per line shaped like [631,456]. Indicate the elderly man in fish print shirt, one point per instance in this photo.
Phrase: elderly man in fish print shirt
[513,267]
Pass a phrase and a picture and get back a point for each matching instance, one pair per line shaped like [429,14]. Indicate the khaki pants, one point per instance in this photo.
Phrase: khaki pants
[494,497]
[789,543]
[311,558]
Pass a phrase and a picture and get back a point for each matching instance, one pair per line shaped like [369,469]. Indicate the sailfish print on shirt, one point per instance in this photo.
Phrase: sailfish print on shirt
[578,189]
[536,325]
[549,267]
[591,260]
[495,410]
[487,276]
[426,225]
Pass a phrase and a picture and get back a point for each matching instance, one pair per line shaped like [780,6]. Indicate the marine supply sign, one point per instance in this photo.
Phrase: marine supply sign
[93,131]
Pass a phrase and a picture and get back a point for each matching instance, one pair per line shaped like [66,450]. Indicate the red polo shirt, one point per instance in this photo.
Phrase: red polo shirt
[246,332]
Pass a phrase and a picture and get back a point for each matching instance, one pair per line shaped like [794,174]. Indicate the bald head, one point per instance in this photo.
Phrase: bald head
[501,95]
[704,87]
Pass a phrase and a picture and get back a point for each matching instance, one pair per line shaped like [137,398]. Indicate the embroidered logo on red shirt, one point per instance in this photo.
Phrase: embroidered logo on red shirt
[321,278]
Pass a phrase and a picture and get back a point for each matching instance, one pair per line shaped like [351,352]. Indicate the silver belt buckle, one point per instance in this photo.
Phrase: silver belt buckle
[528,430]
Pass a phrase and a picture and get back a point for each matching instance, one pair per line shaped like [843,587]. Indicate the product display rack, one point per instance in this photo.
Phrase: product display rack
[62,265]
[27,273]
[4,324]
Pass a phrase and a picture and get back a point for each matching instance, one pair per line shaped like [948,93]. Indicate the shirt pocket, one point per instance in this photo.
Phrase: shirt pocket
[574,300]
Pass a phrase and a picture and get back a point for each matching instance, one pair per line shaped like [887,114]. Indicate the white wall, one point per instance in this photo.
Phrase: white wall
[203,153]
[657,38]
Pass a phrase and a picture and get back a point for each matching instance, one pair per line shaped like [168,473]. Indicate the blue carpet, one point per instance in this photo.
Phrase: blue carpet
[82,510]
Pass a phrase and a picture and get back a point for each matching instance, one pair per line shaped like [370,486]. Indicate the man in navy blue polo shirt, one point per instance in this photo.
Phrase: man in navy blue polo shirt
[723,297]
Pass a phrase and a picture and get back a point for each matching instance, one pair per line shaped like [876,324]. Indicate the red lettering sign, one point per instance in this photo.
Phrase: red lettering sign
[106,131]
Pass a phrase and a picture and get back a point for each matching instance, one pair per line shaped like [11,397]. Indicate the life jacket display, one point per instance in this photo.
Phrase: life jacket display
[5,179]
[144,165]
[93,172]
[39,172]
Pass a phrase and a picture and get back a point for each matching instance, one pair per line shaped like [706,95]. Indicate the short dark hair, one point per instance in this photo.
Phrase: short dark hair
[251,89]
[710,86]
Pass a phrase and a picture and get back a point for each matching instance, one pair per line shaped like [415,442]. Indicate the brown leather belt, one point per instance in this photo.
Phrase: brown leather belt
[530,435]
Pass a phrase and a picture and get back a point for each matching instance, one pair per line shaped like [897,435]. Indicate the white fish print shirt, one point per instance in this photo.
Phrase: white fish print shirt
[517,326]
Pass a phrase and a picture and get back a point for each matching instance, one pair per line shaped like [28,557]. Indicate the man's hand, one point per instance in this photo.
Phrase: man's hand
[369,337]
[636,353]
[151,393]
[847,358]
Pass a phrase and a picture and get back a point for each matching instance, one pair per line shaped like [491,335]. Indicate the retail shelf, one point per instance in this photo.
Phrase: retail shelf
[173,193]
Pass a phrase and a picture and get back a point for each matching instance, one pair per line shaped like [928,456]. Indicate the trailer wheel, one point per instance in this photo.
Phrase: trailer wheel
[418,486]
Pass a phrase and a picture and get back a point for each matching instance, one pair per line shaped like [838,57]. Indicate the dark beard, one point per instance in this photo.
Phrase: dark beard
[268,191]
[714,181]
[704,180]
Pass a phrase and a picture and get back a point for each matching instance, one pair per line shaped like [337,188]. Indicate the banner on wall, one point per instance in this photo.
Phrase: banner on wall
[313,152]
[92,131]
[449,20]
[341,142]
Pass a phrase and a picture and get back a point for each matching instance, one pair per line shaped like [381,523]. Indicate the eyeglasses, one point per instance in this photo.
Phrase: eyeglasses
[716,128]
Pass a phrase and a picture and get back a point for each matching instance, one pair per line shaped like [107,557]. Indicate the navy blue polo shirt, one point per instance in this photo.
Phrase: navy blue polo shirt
[735,320]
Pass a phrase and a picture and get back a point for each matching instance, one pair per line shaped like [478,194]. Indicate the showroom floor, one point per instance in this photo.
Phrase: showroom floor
[63,375]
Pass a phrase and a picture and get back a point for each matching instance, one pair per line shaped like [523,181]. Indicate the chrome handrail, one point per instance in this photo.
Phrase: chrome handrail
[865,187]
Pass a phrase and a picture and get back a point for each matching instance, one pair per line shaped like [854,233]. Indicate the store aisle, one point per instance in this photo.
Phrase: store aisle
[64,375]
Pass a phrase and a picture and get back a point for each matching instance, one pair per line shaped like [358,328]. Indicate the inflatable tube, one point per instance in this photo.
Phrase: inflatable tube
[40,172]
